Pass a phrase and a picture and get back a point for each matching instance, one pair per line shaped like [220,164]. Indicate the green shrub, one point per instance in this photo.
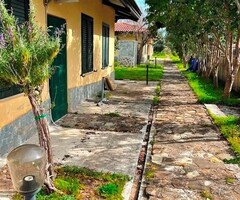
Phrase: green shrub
[155,100]
[157,91]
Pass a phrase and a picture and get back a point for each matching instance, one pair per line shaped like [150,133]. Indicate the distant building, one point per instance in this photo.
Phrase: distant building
[130,38]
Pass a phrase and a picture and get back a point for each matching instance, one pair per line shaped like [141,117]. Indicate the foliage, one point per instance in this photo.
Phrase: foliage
[139,72]
[74,182]
[26,51]
[175,58]
[157,90]
[205,29]
[155,100]
[158,54]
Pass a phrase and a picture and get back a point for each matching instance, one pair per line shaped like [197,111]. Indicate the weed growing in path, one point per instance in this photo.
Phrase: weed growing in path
[157,91]
[155,100]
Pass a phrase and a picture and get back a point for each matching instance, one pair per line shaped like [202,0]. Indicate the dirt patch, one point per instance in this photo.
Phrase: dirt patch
[103,122]
[6,186]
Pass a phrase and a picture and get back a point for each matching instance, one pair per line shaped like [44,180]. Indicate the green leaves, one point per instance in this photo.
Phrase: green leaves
[26,51]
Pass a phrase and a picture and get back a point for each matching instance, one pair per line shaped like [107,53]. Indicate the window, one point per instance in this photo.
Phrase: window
[105,45]
[20,10]
[87,43]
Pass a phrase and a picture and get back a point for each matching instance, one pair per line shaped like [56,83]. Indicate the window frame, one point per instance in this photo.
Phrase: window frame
[87,43]
[105,45]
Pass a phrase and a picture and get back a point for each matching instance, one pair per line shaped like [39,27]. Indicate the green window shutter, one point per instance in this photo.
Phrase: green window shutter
[87,43]
[105,45]
[20,9]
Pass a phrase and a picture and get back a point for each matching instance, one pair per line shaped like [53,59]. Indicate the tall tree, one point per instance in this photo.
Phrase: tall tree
[26,54]
[205,28]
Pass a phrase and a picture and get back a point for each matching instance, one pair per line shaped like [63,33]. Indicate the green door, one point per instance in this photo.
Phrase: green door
[58,82]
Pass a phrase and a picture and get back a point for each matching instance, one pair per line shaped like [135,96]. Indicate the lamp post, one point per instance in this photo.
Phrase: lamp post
[27,164]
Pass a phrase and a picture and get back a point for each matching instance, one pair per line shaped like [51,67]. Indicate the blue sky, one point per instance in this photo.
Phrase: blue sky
[141,4]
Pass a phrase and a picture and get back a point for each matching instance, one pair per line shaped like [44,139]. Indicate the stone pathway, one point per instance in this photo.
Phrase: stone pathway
[188,151]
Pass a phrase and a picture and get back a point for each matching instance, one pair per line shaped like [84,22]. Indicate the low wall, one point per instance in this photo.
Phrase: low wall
[20,130]
[77,95]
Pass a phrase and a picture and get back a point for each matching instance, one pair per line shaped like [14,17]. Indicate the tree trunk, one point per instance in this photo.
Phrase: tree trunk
[228,86]
[185,61]
[44,139]
[215,77]
[139,54]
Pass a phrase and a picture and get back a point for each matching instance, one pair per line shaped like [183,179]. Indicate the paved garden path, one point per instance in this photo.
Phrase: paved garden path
[188,151]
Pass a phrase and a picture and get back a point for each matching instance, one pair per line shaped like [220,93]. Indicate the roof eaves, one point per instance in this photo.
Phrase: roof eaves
[130,10]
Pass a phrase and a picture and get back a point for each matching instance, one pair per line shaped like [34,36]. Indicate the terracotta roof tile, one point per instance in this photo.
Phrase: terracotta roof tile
[126,27]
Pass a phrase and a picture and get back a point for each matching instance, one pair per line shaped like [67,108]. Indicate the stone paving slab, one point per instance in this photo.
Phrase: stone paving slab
[215,109]
[103,151]
[188,150]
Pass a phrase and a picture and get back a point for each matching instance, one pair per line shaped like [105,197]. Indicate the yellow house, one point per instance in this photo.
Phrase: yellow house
[87,57]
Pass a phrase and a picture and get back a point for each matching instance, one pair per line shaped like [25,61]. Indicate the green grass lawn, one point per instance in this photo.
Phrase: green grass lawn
[139,72]
[81,183]
[204,89]
[229,127]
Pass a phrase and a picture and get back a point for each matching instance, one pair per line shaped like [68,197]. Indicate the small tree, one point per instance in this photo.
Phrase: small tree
[26,54]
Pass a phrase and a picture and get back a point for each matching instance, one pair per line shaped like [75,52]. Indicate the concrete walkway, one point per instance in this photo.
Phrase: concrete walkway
[188,151]
[96,139]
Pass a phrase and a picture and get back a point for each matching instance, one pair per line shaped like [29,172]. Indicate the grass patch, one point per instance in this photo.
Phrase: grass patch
[108,190]
[139,72]
[205,90]
[82,183]
[229,127]
[161,54]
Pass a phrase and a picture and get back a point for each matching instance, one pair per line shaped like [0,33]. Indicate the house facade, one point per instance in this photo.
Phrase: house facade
[130,38]
[87,56]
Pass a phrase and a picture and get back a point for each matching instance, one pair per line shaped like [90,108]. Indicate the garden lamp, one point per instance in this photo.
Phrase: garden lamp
[27,164]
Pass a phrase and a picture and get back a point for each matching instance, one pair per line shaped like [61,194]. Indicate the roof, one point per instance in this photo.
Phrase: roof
[126,27]
[125,9]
